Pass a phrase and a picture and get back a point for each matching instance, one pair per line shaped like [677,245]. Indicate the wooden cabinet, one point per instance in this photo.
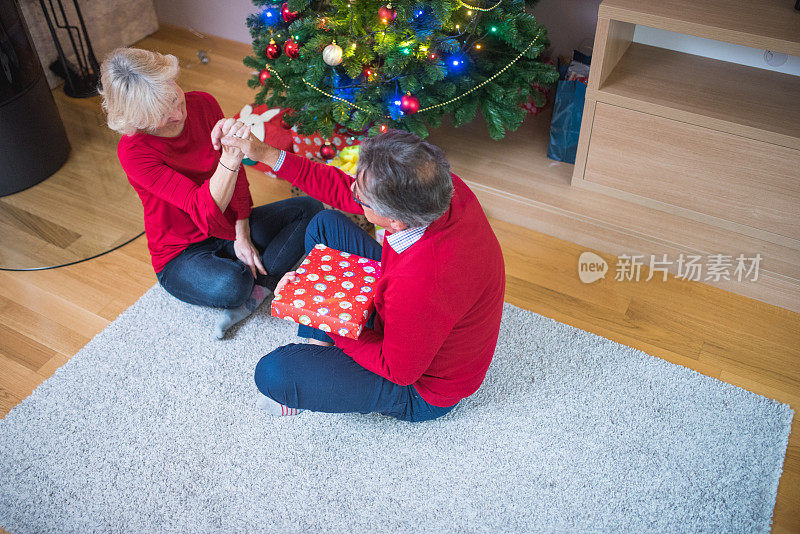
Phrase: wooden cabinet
[710,141]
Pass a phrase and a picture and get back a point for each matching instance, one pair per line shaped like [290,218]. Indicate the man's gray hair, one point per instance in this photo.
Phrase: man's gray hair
[404,178]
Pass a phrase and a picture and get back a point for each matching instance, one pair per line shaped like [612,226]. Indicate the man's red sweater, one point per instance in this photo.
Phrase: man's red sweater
[439,302]
[171,176]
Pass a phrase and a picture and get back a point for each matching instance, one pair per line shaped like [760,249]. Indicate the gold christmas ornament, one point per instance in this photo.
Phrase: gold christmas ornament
[332,54]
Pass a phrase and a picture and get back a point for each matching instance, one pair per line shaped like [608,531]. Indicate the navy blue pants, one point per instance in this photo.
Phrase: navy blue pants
[209,273]
[325,379]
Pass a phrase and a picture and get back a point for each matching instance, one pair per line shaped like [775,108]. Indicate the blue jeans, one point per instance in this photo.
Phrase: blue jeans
[209,273]
[325,379]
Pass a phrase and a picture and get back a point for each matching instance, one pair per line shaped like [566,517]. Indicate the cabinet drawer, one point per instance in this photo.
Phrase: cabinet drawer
[714,173]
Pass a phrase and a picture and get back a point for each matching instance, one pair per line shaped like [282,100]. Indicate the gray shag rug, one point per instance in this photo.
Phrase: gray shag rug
[152,428]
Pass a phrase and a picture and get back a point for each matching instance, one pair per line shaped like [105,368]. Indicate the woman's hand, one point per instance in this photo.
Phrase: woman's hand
[245,250]
[248,254]
[229,128]
[291,276]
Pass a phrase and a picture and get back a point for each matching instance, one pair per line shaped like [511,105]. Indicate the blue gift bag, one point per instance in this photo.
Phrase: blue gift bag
[565,126]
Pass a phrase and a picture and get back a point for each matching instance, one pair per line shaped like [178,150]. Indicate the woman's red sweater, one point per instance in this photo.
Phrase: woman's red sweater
[171,176]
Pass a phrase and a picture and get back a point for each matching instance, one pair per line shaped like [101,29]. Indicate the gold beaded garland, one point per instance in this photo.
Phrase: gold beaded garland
[480,8]
[487,80]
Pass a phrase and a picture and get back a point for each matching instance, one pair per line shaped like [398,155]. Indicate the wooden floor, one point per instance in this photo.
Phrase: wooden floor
[85,208]
[47,316]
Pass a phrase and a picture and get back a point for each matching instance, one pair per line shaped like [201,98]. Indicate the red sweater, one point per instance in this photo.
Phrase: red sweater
[439,302]
[171,176]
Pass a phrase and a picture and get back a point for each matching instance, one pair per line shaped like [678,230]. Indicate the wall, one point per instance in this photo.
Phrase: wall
[570,24]
[208,16]
[713,49]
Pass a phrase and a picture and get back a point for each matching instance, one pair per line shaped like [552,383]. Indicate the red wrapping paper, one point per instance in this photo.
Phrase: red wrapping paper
[334,293]
[309,145]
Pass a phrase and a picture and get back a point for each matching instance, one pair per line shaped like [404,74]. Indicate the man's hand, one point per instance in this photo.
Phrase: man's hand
[224,135]
[248,254]
[291,276]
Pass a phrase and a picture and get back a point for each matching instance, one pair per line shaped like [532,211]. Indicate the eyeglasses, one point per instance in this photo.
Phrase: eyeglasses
[355,197]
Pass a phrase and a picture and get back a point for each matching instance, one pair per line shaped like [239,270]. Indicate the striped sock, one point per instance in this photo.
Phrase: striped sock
[274,407]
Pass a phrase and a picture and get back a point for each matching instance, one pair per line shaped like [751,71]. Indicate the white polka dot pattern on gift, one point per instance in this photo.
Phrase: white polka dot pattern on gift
[332,299]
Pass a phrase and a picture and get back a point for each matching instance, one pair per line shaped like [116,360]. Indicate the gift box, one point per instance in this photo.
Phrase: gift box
[545,93]
[309,145]
[334,293]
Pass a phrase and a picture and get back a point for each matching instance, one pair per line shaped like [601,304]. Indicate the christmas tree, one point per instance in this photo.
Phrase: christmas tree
[375,65]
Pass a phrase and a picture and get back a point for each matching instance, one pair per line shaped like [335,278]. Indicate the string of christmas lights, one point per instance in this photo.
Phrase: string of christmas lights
[501,71]
[455,99]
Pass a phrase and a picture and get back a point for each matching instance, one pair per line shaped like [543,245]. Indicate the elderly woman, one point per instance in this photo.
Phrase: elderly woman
[208,246]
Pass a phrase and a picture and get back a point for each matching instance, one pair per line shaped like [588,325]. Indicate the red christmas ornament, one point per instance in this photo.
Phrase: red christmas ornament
[409,104]
[327,151]
[387,14]
[291,48]
[263,76]
[272,50]
[288,16]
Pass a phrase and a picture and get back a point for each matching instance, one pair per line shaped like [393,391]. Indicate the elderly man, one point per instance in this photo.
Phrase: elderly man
[438,304]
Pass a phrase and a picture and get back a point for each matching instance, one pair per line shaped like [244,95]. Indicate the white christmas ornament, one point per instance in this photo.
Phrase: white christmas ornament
[332,54]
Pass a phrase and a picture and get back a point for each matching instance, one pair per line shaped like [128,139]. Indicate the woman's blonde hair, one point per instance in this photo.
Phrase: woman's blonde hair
[137,88]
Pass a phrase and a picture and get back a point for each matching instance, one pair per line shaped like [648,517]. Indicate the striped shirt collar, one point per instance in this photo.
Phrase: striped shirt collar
[403,239]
